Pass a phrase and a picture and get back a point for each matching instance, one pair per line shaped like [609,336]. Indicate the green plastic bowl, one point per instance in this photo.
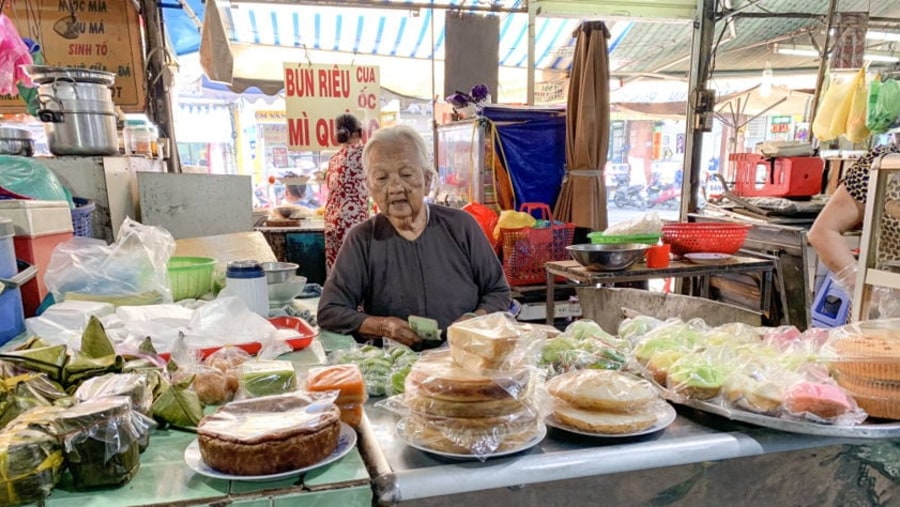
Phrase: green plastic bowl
[190,277]
[598,238]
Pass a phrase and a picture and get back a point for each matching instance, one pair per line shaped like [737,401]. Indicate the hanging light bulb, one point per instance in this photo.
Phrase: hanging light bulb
[765,85]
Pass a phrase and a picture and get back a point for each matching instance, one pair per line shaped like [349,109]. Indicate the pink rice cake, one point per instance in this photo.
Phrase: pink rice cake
[824,400]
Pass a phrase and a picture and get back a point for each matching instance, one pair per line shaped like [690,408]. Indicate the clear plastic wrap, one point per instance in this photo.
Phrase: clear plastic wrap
[132,385]
[228,360]
[583,344]
[451,410]
[270,434]
[606,402]
[261,377]
[383,369]
[347,379]
[494,341]
[864,358]
[101,438]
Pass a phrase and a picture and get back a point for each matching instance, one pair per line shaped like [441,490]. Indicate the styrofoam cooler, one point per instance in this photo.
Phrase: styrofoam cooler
[39,226]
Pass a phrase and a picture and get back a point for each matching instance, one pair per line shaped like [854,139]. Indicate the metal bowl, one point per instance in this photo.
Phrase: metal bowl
[278,272]
[607,257]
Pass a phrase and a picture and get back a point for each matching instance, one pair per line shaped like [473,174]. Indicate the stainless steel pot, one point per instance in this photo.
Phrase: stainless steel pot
[42,74]
[15,141]
[79,117]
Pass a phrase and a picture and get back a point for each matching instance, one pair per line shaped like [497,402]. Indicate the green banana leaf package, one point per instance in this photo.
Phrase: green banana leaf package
[24,392]
[35,355]
[96,357]
[178,405]
[101,439]
[30,465]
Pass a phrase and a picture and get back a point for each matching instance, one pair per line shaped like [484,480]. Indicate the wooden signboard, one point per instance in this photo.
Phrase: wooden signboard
[95,34]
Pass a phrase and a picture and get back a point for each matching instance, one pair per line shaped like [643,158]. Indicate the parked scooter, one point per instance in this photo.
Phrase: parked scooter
[629,195]
[661,195]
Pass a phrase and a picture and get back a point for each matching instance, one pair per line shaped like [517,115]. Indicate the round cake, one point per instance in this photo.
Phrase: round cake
[479,436]
[602,390]
[879,398]
[269,435]
[873,356]
[436,376]
[611,423]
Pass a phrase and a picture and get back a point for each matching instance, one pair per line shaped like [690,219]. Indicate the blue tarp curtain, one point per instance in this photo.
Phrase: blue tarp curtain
[534,154]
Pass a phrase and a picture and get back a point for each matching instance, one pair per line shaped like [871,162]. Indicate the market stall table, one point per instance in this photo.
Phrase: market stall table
[538,476]
[700,273]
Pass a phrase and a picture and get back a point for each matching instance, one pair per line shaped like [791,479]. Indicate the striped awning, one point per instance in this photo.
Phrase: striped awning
[416,33]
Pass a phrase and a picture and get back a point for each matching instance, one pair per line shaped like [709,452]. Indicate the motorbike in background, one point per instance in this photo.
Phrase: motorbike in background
[663,195]
[626,195]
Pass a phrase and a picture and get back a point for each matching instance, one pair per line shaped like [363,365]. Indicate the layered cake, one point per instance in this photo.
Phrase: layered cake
[867,367]
[269,435]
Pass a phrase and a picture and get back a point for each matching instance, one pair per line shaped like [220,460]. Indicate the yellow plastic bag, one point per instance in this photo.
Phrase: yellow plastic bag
[856,130]
[831,119]
[513,220]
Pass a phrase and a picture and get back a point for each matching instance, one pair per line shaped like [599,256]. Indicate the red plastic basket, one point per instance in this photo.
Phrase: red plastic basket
[704,237]
[526,250]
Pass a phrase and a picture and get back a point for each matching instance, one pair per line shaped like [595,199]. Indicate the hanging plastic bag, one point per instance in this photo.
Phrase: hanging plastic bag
[872,103]
[831,118]
[130,272]
[887,107]
[856,130]
[13,54]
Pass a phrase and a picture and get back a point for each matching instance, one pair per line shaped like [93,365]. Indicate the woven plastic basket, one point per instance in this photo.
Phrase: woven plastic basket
[190,277]
[82,217]
[704,237]
[525,250]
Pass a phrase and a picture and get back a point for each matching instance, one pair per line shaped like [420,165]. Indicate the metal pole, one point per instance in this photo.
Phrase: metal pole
[699,110]
[823,60]
[158,77]
[529,88]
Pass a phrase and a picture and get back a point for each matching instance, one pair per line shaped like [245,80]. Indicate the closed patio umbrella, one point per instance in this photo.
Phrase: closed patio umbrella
[582,199]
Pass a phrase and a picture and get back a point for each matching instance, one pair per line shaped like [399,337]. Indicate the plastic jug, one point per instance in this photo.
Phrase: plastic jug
[246,280]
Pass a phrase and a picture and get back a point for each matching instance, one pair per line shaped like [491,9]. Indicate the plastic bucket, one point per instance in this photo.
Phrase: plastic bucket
[12,314]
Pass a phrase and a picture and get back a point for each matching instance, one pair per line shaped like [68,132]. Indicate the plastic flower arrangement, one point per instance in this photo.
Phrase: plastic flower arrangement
[468,104]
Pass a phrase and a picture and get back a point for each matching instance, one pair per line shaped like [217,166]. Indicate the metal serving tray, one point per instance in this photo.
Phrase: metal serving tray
[885,430]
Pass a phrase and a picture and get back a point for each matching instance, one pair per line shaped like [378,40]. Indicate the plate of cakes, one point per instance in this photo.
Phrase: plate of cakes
[475,412]
[269,438]
[607,403]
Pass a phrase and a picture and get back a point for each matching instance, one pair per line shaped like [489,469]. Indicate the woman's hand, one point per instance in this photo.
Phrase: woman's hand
[390,327]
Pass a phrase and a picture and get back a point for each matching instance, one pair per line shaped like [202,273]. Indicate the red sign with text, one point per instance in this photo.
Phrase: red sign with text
[317,94]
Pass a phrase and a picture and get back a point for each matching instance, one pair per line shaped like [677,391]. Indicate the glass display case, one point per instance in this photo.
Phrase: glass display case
[879,253]
[460,165]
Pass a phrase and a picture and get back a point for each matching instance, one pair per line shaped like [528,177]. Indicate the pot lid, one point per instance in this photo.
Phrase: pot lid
[42,74]
[14,133]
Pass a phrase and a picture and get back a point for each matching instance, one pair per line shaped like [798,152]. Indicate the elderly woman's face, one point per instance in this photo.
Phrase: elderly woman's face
[397,181]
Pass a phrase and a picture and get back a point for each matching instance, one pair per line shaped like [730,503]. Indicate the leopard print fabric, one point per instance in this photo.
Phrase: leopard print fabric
[857,183]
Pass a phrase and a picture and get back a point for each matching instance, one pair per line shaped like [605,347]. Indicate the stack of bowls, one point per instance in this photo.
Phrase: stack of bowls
[284,284]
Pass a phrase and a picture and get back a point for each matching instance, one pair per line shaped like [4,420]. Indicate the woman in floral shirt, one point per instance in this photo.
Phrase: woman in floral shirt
[347,203]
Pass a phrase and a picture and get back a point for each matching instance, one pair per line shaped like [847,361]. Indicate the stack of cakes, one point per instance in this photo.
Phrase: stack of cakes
[866,363]
[478,397]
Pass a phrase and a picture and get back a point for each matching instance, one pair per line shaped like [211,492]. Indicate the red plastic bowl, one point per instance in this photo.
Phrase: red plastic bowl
[708,237]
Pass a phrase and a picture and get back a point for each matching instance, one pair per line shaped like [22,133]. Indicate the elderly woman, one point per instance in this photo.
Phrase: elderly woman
[411,258]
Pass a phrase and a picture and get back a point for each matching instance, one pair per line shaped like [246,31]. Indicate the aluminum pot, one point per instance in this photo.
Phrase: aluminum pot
[15,141]
[79,118]
[42,74]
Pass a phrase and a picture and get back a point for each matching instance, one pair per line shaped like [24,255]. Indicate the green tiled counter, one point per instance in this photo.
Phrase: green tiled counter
[164,479]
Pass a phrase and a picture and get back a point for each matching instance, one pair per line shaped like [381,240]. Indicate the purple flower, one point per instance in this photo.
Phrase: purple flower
[480,92]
